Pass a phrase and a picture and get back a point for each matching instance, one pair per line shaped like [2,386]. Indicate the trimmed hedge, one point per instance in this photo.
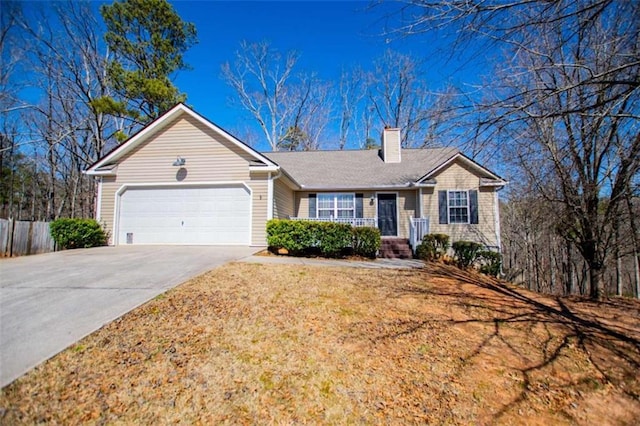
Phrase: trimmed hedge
[333,238]
[330,239]
[366,241]
[289,234]
[432,247]
[466,252]
[77,233]
[491,262]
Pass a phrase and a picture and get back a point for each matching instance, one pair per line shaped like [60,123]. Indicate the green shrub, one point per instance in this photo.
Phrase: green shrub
[292,235]
[328,239]
[424,252]
[366,241]
[466,252]
[304,237]
[77,233]
[334,238]
[432,247]
[491,262]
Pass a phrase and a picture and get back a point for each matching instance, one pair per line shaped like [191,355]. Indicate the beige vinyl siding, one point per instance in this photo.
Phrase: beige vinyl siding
[407,208]
[259,188]
[406,202]
[458,176]
[209,156]
[283,200]
[107,204]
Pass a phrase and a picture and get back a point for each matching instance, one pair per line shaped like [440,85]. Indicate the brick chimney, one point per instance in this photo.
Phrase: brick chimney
[390,151]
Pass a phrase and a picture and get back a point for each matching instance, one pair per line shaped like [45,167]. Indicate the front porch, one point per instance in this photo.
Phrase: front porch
[418,228]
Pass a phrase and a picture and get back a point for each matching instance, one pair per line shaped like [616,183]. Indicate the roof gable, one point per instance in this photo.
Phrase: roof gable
[103,165]
[482,172]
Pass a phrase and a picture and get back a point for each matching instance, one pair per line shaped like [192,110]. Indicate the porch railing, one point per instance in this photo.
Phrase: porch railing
[418,228]
[355,222]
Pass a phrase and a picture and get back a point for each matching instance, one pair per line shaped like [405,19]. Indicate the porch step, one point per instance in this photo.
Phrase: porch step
[395,248]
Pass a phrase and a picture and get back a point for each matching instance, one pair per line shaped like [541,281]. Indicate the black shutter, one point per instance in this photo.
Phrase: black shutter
[312,206]
[473,206]
[359,207]
[443,208]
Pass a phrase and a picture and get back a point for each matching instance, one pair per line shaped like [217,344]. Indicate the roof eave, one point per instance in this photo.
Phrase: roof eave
[264,168]
[500,183]
[355,187]
[99,172]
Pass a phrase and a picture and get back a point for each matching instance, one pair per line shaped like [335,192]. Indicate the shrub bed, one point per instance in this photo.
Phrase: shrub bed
[366,241]
[466,252]
[432,247]
[77,233]
[329,239]
[491,262]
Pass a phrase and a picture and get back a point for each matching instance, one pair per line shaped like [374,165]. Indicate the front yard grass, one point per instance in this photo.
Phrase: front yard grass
[255,344]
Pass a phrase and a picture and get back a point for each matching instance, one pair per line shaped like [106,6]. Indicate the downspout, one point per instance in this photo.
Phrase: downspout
[497,219]
[497,227]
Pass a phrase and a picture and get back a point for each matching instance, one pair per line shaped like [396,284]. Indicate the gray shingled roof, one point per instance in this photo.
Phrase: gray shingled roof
[358,169]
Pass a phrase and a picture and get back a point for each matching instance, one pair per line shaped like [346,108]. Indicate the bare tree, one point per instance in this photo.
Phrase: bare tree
[565,107]
[68,60]
[352,91]
[311,112]
[260,77]
[400,97]
[291,109]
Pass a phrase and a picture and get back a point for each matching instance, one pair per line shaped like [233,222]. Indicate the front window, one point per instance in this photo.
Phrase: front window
[458,207]
[336,206]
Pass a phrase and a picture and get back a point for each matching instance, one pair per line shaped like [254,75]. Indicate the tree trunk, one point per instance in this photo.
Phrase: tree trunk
[597,289]
[636,270]
[584,279]
[616,224]
[634,241]
[570,275]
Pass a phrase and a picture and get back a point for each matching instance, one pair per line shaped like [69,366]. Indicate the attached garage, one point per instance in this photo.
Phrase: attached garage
[184,180]
[184,214]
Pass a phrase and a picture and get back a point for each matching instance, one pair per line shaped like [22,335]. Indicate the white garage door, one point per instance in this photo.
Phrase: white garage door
[185,215]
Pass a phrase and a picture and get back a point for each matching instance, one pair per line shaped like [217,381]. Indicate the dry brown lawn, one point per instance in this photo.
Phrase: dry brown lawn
[261,344]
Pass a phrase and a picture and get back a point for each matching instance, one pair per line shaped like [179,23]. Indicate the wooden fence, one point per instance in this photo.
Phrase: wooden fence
[19,238]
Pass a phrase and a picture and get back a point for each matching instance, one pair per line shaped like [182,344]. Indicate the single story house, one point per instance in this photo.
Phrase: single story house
[184,180]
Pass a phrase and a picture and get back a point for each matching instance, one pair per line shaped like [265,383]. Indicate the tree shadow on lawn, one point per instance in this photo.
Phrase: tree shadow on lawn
[607,333]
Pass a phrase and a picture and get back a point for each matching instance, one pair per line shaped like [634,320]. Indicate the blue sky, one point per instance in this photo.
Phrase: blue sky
[330,35]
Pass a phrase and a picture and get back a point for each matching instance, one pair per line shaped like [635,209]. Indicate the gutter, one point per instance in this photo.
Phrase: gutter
[331,188]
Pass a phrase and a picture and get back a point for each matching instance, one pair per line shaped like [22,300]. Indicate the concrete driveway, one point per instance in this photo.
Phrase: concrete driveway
[50,301]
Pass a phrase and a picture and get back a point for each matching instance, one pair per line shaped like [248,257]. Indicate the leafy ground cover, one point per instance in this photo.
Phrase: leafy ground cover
[249,343]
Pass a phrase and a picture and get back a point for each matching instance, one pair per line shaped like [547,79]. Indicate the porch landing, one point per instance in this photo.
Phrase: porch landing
[395,248]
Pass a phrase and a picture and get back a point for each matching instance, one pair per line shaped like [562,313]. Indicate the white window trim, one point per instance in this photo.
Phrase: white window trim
[335,203]
[449,207]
